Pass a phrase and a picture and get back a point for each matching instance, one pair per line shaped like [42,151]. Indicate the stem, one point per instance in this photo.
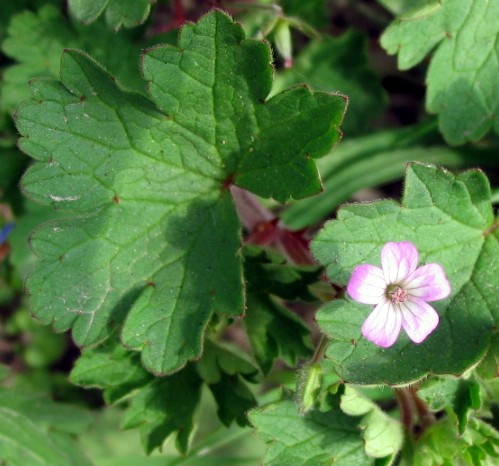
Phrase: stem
[414,411]
[321,349]
[426,417]
[405,405]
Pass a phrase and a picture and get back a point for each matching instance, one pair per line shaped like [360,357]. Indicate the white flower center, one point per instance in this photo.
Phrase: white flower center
[396,294]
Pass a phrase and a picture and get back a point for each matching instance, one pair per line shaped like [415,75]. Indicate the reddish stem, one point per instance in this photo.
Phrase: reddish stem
[265,229]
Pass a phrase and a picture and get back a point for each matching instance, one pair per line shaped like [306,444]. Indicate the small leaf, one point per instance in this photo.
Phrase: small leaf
[383,435]
[112,368]
[119,13]
[272,329]
[224,371]
[460,395]
[462,77]
[267,272]
[275,332]
[450,220]
[163,407]
[314,439]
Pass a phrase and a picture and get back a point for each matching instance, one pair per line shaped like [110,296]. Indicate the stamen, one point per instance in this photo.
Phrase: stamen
[397,294]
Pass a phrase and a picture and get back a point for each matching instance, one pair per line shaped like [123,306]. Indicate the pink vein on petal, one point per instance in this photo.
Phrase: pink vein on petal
[366,284]
[382,326]
[419,319]
[398,261]
[429,283]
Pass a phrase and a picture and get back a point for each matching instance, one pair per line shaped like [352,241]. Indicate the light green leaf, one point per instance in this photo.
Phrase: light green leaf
[450,220]
[462,78]
[157,235]
[36,431]
[460,395]
[314,439]
[36,41]
[119,13]
[382,434]
[111,367]
[441,444]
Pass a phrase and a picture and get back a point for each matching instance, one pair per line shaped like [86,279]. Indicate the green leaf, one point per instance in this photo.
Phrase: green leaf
[36,431]
[383,435]
[267,272]
[441,444]
[314,439]
[112,368]
[36,41]
[339,65]
[224,370]
[157,236]
[272,329]
[450,220]
[462,77]
[164,407]
[119,13]
[460,395]
[275,332]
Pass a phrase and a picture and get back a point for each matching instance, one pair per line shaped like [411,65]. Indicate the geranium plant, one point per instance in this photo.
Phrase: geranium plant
[242,233]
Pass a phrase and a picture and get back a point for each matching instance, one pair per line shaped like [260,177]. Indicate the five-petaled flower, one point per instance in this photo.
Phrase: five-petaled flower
[400,292]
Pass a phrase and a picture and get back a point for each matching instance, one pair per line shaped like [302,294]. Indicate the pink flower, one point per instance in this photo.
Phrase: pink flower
[400,292]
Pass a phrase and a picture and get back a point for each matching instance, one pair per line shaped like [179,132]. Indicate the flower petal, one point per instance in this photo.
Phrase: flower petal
[419,319]
[382,327]
[428,282]
[367,284]
[398,261]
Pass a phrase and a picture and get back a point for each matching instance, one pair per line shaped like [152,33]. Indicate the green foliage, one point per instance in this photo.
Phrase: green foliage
[37,40]
[450,220]
[139,238]
[160,407]
[339,65]
[272,329]
[37,431]
[118,13]
[314,439]
[462,78]
[153,186]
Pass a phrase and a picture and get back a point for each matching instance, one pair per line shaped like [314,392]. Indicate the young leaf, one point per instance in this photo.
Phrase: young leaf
[112,368]
[460,395]
[163,407]
[272,329]
[314,439]
[267,272]
[383,435]
[157,236]
[223,370]
[37,431]
[275,332]
[126,13]
[462,78]
[450,220]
